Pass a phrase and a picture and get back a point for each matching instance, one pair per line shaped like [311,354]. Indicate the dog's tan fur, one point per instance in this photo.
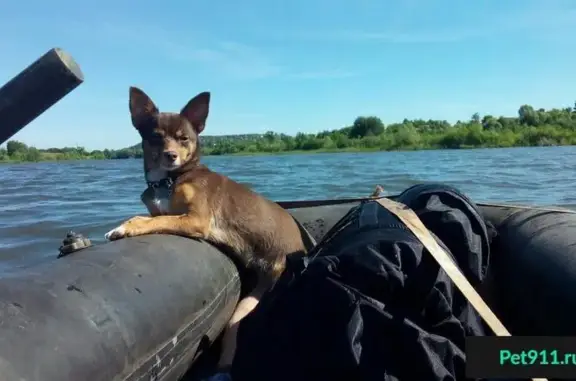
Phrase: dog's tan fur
[207,205]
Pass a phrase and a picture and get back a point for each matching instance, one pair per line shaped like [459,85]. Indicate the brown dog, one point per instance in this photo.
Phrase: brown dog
[204,204]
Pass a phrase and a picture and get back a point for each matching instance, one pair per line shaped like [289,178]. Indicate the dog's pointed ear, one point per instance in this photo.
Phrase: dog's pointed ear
[196,111]
[141,106]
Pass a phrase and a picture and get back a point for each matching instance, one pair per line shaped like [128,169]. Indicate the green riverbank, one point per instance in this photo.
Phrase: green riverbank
[367,134]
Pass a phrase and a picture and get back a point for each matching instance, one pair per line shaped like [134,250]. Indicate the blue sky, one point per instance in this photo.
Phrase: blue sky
[292,65]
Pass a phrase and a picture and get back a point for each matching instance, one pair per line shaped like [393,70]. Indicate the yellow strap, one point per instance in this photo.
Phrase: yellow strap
[414,223]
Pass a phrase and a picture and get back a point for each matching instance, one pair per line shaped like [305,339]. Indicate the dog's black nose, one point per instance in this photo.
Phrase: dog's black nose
[170,155]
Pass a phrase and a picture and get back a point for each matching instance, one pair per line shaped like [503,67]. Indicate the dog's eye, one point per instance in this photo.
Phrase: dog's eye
[184,139]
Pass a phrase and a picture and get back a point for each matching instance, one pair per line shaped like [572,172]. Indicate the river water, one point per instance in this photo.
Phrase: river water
[40,202]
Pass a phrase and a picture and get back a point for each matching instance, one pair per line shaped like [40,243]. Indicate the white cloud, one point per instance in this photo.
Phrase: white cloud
[248,115]
[233,59]
[324,74]
[230,58]
[551,20]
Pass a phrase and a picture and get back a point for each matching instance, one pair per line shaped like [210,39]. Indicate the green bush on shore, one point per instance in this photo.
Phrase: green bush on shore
[368,133]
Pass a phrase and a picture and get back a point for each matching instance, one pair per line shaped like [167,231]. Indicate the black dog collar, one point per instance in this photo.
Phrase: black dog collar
[167,183]
[156,192]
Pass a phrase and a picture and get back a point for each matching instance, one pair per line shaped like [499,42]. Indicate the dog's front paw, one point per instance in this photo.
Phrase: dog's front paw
[129,228]
[116,233]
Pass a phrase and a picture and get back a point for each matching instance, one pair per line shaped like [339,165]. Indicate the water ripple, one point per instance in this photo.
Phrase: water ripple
[40,202]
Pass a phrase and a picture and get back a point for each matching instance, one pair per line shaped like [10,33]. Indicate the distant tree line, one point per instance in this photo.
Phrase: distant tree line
[532,127]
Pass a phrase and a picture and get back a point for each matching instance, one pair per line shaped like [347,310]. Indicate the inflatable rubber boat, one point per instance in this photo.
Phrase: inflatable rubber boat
[147,307]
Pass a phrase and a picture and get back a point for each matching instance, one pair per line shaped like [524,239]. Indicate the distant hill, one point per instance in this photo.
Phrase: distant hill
[212,140]
[532,127]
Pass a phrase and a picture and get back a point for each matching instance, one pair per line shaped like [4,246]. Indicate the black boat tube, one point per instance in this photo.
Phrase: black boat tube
[134,309]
